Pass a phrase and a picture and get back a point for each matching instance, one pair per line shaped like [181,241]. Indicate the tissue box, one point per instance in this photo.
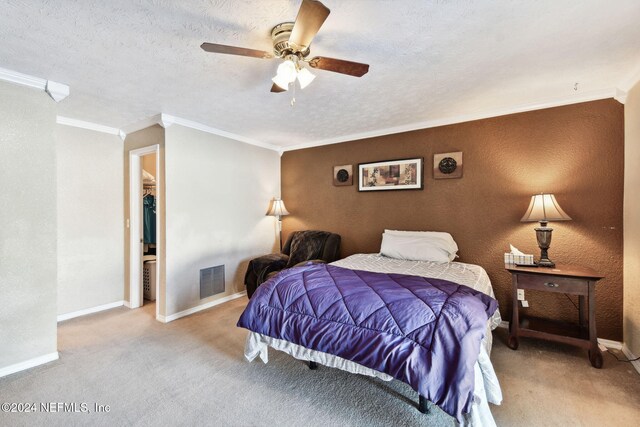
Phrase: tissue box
[518,259]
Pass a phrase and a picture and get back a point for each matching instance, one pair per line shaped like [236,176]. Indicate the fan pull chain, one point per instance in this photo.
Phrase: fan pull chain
[293,95]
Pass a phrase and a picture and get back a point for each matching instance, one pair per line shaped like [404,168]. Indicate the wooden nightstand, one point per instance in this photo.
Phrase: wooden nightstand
[565,279]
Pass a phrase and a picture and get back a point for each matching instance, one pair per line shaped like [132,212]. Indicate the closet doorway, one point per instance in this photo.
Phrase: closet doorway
[145,231]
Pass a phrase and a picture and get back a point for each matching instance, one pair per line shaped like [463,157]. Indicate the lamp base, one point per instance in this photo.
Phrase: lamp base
[546,263]
[543,235]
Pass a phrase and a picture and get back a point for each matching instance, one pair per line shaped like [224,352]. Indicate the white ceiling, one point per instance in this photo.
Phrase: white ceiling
[430,60]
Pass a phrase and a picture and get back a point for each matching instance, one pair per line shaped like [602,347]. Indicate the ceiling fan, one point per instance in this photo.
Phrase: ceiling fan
[291,41]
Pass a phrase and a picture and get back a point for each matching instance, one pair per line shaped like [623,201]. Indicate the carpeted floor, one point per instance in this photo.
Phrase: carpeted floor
[192,372]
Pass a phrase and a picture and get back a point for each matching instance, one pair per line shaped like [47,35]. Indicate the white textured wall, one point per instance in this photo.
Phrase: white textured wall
[632,220]
[90,212]
[217,195]
[27,225]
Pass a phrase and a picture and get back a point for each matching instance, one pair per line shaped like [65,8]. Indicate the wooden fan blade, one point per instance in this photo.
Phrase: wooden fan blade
[276,89]
[232,50]
[341,66]
[311,16]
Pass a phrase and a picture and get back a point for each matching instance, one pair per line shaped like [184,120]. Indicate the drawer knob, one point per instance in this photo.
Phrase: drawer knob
[551,285]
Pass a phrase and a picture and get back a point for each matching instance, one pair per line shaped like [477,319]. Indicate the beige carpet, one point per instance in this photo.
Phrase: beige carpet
[192,372]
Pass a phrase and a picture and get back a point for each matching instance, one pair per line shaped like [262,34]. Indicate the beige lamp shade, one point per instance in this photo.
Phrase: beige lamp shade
[544,208]
[278,209]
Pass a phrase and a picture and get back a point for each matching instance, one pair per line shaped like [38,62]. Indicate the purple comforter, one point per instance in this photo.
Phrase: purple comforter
[425,332]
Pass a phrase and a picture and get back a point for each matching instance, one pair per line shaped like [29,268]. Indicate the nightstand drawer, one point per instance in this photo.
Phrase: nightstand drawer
[550,283]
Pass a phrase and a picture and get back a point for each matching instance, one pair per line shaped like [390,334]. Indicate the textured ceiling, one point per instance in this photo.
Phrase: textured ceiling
[127,60]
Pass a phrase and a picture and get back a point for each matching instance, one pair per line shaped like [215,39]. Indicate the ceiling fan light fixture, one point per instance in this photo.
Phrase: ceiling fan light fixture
[281,82]
[287,71]
[305,77]
[291,41]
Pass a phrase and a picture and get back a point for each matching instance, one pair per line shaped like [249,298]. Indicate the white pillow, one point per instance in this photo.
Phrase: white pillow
[438,238]
[414,248]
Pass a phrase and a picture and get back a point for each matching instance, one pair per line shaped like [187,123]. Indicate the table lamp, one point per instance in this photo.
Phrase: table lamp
[544,208]
[278,209]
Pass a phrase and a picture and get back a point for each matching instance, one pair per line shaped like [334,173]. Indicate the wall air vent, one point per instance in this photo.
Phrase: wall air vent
[211,281]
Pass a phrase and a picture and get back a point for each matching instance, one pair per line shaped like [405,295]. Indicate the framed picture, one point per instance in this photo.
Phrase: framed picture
[343,175]
[403,174]
[447,165]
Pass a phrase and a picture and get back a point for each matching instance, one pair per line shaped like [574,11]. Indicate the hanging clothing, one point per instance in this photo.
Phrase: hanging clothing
[149,219]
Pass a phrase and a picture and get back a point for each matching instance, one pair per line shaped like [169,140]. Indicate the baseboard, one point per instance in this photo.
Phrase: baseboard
[67,316]
[126,304]
[630,355]
[616,345]
[167,319]
[27,364]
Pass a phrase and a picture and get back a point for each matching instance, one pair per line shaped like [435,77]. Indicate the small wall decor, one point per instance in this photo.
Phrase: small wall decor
[343,175]
[447,165]
[403,174]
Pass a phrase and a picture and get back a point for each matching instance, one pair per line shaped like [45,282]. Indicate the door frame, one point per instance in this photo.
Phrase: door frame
[136,226]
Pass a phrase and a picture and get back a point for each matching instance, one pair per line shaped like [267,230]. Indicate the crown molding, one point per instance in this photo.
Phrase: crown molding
[142,124]
[219,132]
[576,99]
[621,96]
[67,121]
[631,80]
[166,120]
[22,79]
[57,91]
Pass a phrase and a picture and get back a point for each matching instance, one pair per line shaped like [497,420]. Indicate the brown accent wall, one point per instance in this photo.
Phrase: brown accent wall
[575,152]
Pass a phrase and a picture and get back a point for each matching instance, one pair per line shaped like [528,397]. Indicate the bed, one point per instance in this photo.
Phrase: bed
[442,352]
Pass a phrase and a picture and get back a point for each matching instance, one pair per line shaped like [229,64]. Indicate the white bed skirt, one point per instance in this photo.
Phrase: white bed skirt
[486,388]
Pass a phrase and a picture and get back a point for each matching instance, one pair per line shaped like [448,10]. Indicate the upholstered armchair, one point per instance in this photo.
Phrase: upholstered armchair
[300,247]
